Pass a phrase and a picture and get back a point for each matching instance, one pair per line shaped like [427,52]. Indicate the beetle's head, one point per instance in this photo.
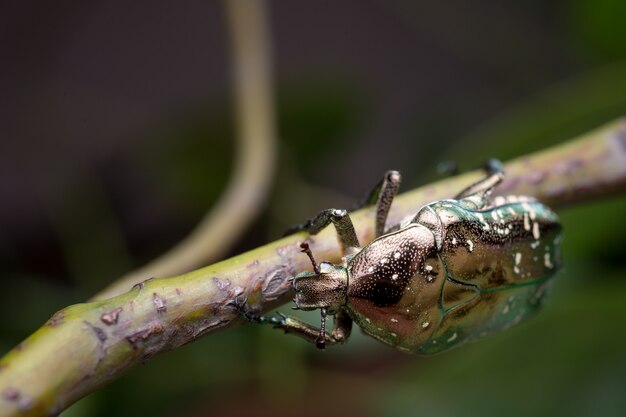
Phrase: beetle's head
[325,288]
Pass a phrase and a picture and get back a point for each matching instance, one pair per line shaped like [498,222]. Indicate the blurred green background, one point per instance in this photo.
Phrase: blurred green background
[118,131]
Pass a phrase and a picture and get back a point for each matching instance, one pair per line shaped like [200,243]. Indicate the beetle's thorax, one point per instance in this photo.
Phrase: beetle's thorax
[382,271]
[327,289]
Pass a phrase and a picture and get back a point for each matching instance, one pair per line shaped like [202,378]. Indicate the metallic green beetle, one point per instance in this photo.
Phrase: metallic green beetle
[459,270]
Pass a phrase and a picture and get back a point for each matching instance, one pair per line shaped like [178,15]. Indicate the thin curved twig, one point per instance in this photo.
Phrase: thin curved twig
[254,160]
[86,346]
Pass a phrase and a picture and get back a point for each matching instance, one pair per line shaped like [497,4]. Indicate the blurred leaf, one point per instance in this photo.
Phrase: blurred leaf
[595,232]
[86,226]
[192,155]
[600,25]
[42,299]
[314,119]
[550,116]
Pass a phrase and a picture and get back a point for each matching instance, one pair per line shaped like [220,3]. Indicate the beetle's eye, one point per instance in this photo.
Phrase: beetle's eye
[325,266]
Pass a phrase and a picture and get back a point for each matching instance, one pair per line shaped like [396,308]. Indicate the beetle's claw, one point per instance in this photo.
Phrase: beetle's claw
[292,282]
[250,316]
[240,305]
[245,312]
[320,343]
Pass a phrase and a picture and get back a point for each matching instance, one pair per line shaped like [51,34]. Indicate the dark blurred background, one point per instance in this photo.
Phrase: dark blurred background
[117,135]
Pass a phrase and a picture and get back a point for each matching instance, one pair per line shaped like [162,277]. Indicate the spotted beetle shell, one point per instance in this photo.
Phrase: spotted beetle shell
[455,274]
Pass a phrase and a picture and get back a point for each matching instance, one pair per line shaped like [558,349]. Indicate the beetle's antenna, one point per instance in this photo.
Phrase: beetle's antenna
[320,343]
[307,250]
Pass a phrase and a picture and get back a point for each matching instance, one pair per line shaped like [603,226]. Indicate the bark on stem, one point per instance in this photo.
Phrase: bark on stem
[86,346]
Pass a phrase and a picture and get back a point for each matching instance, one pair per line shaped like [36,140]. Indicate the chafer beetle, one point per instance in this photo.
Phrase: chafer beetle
[459,270]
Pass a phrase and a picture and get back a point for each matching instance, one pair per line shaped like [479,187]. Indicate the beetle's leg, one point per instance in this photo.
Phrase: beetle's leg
[382,195]
[476,196]
[247,313]
[342,327]
[343,224]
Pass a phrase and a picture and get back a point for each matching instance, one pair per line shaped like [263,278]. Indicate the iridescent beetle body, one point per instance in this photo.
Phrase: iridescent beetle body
[459,270]
[454,274]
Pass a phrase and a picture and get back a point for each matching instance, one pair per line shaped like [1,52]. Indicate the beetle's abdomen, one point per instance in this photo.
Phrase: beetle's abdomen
[499,260]
[506,245]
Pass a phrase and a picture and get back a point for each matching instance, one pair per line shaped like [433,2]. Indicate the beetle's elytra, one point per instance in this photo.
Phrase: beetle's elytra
[459,270]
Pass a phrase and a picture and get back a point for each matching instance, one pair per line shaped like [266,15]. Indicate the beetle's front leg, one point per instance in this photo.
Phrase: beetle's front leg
[342,327]
[343,224]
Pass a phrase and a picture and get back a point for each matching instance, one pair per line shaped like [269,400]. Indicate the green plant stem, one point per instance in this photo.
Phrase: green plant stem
[86,346]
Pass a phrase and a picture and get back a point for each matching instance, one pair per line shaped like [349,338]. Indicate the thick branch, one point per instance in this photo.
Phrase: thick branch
[85,346]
